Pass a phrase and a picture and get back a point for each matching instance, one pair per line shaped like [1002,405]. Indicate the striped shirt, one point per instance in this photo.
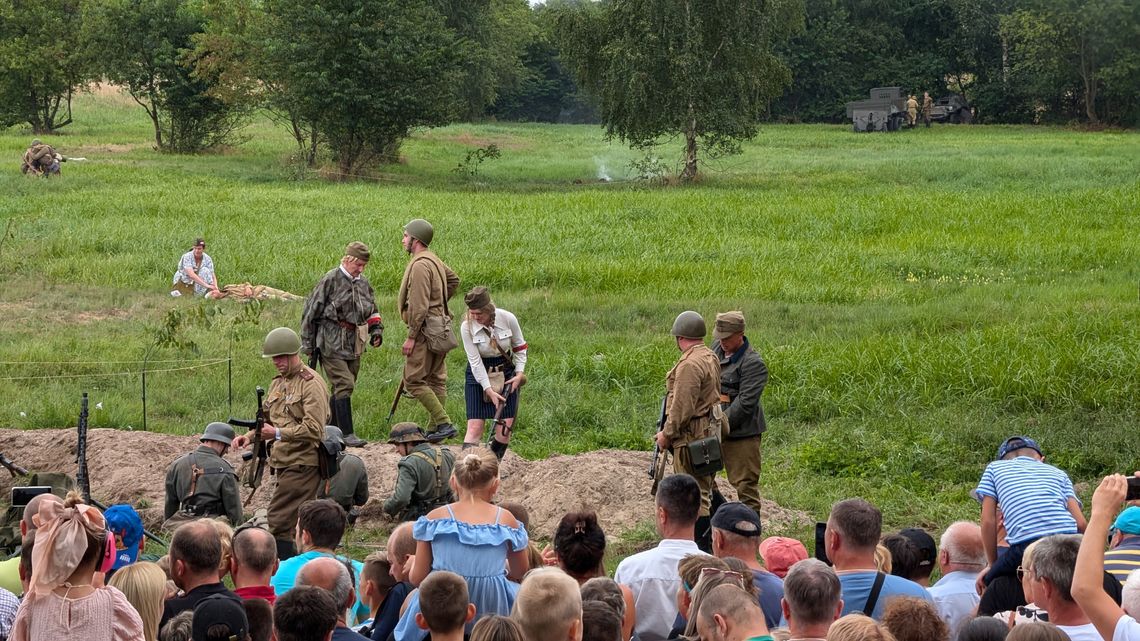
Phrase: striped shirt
[1033,497]
[1121,560]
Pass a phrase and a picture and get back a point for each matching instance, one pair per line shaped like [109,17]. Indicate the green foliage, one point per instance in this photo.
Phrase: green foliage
[474,158]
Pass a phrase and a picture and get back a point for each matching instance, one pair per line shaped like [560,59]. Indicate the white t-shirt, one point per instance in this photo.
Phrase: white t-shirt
[1086,632]
[1127,629]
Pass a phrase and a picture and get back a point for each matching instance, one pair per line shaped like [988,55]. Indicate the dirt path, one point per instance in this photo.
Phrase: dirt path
[130,467]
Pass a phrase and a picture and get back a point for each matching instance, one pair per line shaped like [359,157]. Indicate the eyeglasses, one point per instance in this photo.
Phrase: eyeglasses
[1022,572]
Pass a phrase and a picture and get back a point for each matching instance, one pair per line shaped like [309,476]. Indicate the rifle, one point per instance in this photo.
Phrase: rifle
[315,358]
[256,457]
[660,459]
[498,421]
[13,469]
[396,401]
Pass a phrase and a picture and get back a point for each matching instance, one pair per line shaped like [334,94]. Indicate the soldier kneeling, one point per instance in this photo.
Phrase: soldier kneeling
[202,483]
[423,473]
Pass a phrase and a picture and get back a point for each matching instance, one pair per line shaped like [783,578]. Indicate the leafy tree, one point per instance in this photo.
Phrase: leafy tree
[700,69]
[43,62]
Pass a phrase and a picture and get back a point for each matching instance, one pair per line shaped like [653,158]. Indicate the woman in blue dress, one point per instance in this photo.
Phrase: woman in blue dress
[472,537]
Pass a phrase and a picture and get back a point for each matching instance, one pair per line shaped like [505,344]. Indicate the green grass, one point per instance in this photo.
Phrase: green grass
[917,296]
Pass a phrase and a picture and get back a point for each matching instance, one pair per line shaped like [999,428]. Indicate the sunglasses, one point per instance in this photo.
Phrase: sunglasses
[728,574]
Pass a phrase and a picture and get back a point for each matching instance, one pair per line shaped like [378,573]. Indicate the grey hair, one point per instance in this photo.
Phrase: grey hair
[1130,600]
[606,590]
[178,628]
[964,548]
[812,591]
[339,590]
[1054,558]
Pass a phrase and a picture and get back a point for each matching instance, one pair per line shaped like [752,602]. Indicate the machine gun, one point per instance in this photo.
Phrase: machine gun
[13,469]
[660,458]
[254,459]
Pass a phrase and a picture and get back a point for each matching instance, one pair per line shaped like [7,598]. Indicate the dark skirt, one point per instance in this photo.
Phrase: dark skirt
[477,408]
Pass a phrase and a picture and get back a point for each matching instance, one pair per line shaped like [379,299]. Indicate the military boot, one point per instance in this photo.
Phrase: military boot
[441,429]
[703,534]
[343,413]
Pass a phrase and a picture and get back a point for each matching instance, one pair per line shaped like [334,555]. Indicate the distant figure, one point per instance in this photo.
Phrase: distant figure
[195,275]
[927,107]
[911,111]
[41,160]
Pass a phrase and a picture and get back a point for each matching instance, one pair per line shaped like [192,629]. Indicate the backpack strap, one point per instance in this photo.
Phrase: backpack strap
[873,597]
[436,461]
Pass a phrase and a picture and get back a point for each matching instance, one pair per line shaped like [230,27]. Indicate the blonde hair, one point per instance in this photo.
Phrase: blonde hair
[226,534]
[476,469]
[882,558]
[549,600]
[858,627]
[144,585]
[495,627]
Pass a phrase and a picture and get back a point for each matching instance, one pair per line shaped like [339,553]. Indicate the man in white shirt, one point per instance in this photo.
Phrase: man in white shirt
[1051,570]
[1110,620]
[652,575]
[961,558]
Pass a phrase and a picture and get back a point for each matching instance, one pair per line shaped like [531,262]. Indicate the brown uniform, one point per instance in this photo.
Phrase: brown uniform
[692,390]
[297,404]
[424,291]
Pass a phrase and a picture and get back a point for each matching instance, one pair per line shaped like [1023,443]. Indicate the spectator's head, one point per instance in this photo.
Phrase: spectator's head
[983,629]
[195,553]
[1126,526]
[913,619]
[260,616]
[220,618]
[1130,594]
[71,539]
[812,598]
[330,574]
[853,531]
[858,627]
[376,580]
[549,606]
[678,503]
[476,472]
[904,555]
[127,527]
[605,590]
[728,612]
[495,627]
[1016,446]
[180,627]
[254,558]
[144,585]
[321,524]
[735,531]
[690,568]
[962,549]
[401,548]
[305,613]
[780,553]
[738,565]
[1025,571]
[600,622]
[444,605]
[519,511]
[28,522]
[1036,631]
[710,579]
[1052,566]
[927,554]
[580,544]
[226,536]
[27,546]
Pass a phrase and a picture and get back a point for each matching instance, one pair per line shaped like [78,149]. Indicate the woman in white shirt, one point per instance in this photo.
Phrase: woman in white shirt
[496,358]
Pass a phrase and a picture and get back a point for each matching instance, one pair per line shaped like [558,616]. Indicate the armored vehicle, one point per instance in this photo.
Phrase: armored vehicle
[952,109]
[884,110]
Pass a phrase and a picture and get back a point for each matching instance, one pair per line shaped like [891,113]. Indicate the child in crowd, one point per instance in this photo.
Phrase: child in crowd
[444,608]
[496,627]
[473,538]
[376,586]
[144,585]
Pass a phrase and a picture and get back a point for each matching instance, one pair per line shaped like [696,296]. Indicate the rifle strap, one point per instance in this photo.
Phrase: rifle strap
[195,472]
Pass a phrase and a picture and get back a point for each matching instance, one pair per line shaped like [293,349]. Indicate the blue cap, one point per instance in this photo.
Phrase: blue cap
[1016,443]
[1128,521]
[124,522]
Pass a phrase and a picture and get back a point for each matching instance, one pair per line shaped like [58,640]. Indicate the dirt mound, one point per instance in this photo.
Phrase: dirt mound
[127,466]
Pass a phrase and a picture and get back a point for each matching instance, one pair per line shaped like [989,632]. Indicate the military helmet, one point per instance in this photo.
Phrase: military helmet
[689,324]
[333,433]
[281,342]
[420,229]
[406,433]
[218,431]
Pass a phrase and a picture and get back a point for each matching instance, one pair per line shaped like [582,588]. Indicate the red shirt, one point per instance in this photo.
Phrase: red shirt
[257,592]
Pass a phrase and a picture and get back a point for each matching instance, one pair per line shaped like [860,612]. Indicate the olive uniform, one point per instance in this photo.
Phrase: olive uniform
[199,484]
[692,390]
[927,108]
[422,475]
[743,376]
[349,487]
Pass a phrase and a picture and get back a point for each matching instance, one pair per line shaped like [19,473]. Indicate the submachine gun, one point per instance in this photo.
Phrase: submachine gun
[254,459]
[660,458]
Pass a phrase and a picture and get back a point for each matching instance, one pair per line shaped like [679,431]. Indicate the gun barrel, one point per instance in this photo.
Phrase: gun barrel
[13,468]
[241,422]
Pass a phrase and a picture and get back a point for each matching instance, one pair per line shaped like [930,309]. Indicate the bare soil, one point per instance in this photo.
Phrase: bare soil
[129,466]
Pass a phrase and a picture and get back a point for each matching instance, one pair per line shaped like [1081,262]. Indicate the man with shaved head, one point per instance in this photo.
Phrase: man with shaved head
[195,554]
[728,613]
[333,576]
[253,563]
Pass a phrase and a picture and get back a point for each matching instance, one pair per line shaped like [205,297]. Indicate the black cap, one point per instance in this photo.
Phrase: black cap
[219,609]
[737,518]
[927,552]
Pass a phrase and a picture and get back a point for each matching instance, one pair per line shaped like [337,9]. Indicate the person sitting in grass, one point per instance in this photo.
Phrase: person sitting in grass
[195,274]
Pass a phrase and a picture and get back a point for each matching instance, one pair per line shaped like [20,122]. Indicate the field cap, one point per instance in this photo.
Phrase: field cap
[357,250]
[924,542]
[199,242]
[126,526]
[737,518]
[218,609]
[478,298]
[406,433]
[1129,521]
[727,324]
[780,553]
[1016,443]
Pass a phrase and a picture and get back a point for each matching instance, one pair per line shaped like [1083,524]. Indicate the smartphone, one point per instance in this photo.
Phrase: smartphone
[820,545]
[1133,489]
[21,495]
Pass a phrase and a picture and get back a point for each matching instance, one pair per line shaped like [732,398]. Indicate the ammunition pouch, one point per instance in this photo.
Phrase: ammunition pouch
[705,456]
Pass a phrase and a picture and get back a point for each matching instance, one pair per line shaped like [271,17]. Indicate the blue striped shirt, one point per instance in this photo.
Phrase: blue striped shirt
[1033,497]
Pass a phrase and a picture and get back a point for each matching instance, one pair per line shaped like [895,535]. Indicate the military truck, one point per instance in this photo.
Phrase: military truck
[884,110]
[952,109]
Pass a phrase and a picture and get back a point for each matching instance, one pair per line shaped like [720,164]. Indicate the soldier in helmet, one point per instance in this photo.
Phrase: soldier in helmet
[202,483]
[692,407]
[297,409]
[349,487]
[337,314]
[424,291]
[422,481]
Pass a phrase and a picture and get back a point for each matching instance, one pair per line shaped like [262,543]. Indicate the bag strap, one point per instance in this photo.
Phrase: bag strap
[436,461]
[499,348]
[873,597]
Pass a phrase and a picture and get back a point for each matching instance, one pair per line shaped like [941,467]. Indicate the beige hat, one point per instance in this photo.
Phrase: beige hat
[727,324]
[357,250]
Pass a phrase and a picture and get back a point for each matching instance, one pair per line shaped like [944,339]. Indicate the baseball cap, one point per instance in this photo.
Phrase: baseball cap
[924,542]
[780,553]
[1129,521]
[124,522]
[1016,443]
[219,609]
[737,518]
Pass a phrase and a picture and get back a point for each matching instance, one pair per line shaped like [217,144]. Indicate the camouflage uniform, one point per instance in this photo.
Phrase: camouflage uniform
[692,392]
[424,291]
[349,487]
[214,492]
[419,488]
[297,405]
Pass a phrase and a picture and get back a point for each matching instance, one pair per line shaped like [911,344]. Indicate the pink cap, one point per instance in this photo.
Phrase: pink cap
[780,553]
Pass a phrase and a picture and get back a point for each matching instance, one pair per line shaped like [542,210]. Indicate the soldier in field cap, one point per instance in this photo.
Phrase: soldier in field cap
[340,315]
[743,375]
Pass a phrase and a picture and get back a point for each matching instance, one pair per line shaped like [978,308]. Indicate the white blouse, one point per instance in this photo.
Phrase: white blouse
[477,343]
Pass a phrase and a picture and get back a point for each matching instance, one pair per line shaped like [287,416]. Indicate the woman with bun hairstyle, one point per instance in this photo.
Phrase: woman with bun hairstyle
[473,538]
[495,347]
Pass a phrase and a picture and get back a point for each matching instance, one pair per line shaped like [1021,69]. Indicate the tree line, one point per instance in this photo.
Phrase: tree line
[353,78]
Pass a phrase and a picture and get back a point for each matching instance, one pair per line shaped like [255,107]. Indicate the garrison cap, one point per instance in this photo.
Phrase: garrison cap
[727,324]
[358,250]
[218,431]
[36,141]
[478,298]
[406,433]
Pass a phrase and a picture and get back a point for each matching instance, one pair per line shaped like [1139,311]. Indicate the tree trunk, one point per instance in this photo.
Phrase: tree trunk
[1088,76]
[689,173]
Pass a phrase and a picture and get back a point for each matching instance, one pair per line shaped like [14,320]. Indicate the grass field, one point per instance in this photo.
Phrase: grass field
[917,296]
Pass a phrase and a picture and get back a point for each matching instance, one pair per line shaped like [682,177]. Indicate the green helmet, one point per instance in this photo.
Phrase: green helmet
[420,229]
[689,325]
[218,431]
[406,433]
[281,342]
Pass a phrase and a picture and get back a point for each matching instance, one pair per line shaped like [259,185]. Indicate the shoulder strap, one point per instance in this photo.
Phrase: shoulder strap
[436,461]
[873,597]
[195,472]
